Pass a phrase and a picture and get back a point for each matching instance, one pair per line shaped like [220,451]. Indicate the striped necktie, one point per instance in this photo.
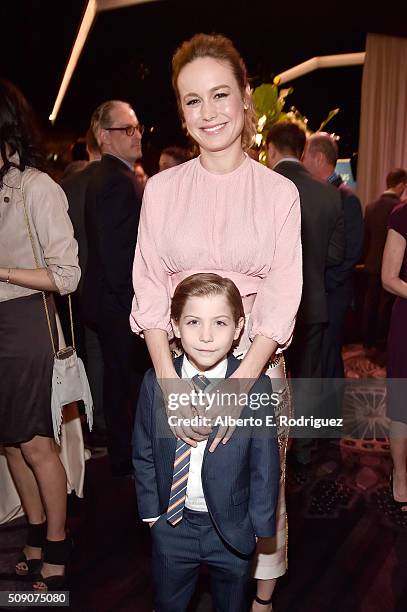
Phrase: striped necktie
[181,468]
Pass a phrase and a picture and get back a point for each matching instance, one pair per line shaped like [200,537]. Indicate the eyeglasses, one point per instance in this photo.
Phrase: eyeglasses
[129,129]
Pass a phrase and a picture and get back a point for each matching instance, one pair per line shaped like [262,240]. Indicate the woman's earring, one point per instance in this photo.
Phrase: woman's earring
[245,106]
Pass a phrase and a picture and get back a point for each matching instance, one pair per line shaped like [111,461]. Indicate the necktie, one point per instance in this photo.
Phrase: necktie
[181,468]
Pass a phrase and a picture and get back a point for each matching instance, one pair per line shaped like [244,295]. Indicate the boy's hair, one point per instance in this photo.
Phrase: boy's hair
[204,285]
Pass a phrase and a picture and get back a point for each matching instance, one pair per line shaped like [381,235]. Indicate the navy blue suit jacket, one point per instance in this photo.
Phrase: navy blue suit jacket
[240,479]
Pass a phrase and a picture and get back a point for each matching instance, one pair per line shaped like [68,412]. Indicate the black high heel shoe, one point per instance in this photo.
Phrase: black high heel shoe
[400,504]
[36,538]
[55,553]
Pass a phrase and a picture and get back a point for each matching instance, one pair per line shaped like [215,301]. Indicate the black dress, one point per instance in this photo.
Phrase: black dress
[397,339]
[26,363]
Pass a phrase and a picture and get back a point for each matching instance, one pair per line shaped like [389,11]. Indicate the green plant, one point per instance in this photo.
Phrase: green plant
[269,103]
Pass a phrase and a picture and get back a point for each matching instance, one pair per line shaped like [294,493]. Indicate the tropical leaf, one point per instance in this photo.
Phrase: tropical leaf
[331,114]
[265,99]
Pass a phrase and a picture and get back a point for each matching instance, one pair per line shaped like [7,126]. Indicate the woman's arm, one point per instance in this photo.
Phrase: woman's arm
[392,261]
[40,279]
[53,236]
[158,347]
[258,355]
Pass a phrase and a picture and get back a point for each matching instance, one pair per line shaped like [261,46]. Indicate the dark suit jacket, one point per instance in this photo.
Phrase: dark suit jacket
[112,211]
[376,220]
[75,186]
[322,236]
[240,479]
[337,276]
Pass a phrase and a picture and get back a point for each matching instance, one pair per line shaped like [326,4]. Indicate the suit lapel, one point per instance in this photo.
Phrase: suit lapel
[232,366]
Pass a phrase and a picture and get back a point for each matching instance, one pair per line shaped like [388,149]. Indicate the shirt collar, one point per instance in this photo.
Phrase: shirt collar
[285,159]
[189,371]
[390,192]
[128,164]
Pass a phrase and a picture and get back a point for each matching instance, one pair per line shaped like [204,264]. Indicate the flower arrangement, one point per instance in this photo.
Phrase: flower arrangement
[269,102]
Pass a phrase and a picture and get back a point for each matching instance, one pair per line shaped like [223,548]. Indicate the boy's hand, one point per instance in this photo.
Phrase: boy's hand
[178,396]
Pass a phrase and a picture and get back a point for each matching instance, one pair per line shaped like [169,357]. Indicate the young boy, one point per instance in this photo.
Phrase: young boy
[204,507]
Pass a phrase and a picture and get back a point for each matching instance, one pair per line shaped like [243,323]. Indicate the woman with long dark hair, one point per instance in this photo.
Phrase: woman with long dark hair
[225,213]
[33,219]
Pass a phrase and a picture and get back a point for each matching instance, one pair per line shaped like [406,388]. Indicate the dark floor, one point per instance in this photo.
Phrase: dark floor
[347,540]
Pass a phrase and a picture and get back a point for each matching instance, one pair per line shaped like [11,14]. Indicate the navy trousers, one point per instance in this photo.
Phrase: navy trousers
[178,553]
[338,302]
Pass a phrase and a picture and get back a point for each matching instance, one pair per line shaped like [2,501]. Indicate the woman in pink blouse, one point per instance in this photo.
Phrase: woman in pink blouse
[221,212]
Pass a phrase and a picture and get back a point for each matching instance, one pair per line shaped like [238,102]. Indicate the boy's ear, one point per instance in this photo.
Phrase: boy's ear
[175,328]
[239,327]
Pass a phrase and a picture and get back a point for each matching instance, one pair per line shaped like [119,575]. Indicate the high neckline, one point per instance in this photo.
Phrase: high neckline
[240,168]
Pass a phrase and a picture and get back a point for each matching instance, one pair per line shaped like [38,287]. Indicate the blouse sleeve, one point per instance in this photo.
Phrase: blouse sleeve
[277,301]
[151,302]
[54,229]
[398,220]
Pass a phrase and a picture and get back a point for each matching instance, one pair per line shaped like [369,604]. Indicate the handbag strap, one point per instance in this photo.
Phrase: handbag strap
[43,292]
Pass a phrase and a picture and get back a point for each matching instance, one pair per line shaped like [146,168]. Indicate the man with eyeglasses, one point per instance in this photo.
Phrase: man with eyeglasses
[112,210]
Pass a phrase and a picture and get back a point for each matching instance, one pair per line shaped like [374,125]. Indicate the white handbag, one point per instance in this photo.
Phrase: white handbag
[69,380]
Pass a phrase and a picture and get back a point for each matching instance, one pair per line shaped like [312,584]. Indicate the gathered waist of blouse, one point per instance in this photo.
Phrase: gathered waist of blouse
[248,285]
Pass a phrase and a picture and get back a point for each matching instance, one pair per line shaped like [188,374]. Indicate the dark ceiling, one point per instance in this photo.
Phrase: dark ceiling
[128,53]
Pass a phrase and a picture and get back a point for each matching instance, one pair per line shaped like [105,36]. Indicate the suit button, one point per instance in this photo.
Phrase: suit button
[7,199]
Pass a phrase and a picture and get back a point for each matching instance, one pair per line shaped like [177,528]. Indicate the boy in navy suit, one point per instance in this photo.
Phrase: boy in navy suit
[204,507]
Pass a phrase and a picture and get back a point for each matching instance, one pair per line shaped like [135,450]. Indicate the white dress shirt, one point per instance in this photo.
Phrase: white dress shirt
[195,499]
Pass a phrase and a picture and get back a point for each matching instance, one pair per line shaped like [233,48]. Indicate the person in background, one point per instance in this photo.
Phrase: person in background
[32,204]
[88,345]
[141,175]
[222,212]
[79,155]
[112,209]
[322,238]
[173,156]
[394,278]
[320,157]
[378,301]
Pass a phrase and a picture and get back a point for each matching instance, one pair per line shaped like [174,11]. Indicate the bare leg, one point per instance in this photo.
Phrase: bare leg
[398,448]
[41,454]
[28,491]
[264,591]
[265,588]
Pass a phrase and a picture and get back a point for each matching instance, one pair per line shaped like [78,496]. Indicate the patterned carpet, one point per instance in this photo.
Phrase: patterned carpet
[347,539]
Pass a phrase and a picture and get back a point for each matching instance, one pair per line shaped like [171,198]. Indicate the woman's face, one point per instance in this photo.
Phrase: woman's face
[212,104]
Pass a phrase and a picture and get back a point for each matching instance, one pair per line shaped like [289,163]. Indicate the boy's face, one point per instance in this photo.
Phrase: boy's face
[207,330]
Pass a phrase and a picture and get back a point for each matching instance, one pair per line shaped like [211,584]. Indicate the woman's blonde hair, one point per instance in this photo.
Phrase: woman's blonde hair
[222,49]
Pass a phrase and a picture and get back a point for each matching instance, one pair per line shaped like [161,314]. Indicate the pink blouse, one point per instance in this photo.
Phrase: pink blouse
[244,225]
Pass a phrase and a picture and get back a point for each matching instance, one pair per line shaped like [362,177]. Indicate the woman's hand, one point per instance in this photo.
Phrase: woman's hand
[226,401]
[238,385]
